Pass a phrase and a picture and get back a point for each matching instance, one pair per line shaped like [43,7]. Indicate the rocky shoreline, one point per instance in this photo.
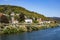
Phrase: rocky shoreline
[12,29]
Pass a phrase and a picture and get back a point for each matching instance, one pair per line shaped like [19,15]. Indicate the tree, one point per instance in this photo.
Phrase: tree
[21,17]
[4,19]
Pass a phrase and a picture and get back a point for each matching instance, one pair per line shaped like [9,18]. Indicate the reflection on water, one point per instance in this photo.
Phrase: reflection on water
[48,34]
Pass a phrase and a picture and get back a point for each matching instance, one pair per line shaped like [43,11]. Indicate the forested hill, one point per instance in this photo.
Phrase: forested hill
[7,9]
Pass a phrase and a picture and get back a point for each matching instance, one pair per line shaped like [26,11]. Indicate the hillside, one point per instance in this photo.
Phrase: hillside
[57,19]
[7,9]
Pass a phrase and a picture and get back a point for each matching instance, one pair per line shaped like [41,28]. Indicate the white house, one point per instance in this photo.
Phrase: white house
[13,20]
[28,20]
[47,21]
[42,22]
[39,19]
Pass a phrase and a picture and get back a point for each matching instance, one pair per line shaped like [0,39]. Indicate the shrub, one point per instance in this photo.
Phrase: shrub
[10,30]
[22,29]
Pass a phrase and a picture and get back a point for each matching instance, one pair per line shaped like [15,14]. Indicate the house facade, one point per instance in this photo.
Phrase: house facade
[28,21]
[13,20]
[39,20]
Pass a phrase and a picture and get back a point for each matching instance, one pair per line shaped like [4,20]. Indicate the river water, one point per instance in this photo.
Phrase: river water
[47,34]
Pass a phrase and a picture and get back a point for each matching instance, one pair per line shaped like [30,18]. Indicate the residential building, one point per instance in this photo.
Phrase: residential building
[13,20]
[28,20]
[39,20]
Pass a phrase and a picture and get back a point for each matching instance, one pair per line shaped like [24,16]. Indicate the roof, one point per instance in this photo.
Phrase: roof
[1,14]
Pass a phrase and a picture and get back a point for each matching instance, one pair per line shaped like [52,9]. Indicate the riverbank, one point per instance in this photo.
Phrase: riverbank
[47,34]
[25,28]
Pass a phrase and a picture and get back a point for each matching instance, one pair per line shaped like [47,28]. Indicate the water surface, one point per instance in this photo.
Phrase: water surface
[47,34]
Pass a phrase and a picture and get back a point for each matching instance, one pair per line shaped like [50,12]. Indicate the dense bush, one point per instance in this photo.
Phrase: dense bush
[35,21]
[21,17]
[10,30]
[22,29]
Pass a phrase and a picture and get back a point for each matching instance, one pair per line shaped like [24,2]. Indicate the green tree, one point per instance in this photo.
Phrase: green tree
[21,17]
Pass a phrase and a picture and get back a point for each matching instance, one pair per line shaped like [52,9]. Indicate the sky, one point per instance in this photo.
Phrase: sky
[49,8]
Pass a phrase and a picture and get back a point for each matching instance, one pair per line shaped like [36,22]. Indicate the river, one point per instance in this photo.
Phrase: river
[47,34]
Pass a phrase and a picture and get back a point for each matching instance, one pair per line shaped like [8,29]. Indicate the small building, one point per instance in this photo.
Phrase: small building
[39,20]
[15,22]
[47,21]
[28,20]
